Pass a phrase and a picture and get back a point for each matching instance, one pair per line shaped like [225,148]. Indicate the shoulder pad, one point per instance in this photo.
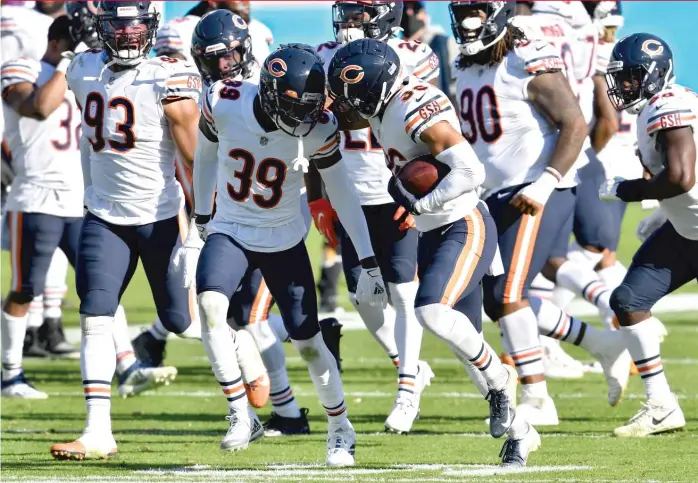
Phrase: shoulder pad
[670,109]
[423,106]
[22,69]
[326,135]
[537,57]
[181,78]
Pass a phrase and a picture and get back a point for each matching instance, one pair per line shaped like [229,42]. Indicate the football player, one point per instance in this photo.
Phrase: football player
[641,81]
[174,38]
[250,132]
[458,238]
[516,104]
[395,243]
[131,131]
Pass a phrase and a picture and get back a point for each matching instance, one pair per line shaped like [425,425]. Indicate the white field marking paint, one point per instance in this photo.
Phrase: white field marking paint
[674,303]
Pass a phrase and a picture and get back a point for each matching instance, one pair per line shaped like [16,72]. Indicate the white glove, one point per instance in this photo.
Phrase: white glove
[187,256]
[607,190]
[650,224]
[541,189]
[371,289]
[649,204]
[66,58]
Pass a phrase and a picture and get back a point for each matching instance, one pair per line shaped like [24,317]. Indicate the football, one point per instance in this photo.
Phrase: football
[422,174]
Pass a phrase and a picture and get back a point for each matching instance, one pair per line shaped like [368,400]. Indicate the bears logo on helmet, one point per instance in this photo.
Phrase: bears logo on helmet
[277,67]
[652,47]
[354,77]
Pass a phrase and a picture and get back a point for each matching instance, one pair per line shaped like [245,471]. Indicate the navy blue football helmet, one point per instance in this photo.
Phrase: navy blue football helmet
[221,46]
[641,65]
[363,74]
[368,19]
[127,30]
[472,33]
[83,24]
[292,88]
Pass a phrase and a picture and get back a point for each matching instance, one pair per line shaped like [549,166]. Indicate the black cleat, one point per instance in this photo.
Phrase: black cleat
[501,412]
[515,452]
[149,350]
[280,426]
[32,346]
[331,333]
[52,340]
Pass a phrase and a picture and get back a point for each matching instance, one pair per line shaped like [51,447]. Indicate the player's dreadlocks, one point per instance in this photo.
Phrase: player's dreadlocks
[495,54]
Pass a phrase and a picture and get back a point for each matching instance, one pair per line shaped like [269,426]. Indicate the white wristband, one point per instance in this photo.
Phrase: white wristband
[63,65]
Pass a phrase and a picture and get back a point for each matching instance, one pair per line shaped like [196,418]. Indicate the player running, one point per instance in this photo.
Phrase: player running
[396,328]
[247,133]
[521,117]
[458,240]
[131,130]
[641,81]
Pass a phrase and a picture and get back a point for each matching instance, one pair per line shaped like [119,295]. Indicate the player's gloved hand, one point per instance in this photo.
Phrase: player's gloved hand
[402,197]
[650,224]
[370,289]
[649,204]
[66,58]
[406,220]
[607,190]
[187,256]
[324,217]
[532,199]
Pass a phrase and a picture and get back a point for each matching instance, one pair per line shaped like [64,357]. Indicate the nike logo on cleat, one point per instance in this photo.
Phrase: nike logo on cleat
[657,422]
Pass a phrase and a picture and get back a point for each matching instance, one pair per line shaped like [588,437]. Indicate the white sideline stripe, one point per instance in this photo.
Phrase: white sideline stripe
[578,308]
[371,394]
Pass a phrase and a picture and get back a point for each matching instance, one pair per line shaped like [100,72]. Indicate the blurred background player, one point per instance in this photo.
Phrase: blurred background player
[394,242]
[641,80]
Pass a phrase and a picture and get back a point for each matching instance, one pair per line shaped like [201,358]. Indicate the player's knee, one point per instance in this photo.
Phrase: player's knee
[21,298]
[98,303]
[492,306]
[99,325]
[213,309]
[305,330]
[403,295]
[432,318]
[623,300]
[176,321]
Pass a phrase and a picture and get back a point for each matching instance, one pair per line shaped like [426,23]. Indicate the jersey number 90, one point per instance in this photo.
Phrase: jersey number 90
[472,112]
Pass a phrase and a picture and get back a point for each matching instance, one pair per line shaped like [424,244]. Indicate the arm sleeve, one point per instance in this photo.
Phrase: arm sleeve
[345,201]
[205,163]
[18,71]
[85,160]
[467,173]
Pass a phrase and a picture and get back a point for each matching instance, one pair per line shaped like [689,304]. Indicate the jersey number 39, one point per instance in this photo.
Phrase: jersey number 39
[93,115]
[270,173]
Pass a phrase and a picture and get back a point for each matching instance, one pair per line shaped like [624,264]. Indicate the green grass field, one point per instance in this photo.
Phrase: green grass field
[173,434]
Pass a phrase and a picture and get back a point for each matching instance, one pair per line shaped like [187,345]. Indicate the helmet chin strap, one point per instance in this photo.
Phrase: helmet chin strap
[478,46]
[344,36]
[636,108]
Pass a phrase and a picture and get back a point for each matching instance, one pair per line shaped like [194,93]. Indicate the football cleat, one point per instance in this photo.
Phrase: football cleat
[538,411]
[615,361]
[278,425]
[341,443]
[32,346]
[20,387]
[331,331]
[139,378]
[244,429]
[654,417]
[501,412]
[559,364]
[404,413]
[89,446]
[254,374]
[148,349]
[52,340]
[515,452]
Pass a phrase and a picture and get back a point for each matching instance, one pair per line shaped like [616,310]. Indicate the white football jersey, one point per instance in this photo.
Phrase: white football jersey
[417,106]
[45,154]
[584,54]
[673,107]
[510,137]
[132,156]
[262,39]
[360,149]
[24,33]
[619,156]
[258,200]
[176,35]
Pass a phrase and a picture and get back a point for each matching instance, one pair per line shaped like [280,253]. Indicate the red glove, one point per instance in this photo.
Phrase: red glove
[324,217]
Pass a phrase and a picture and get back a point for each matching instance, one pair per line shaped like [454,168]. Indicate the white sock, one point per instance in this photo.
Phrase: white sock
[643,345]
[125,357]
[584,281]
[381,328]
[158,330]
[55,288]
[520,329]
[582,256]
[535,390]
[613,276]
[12,331]
[97,365]
[36,312]
[283,402]
[562,297]
[458,332]
[277,325]
[408,333]
[325,376]
[221,349]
